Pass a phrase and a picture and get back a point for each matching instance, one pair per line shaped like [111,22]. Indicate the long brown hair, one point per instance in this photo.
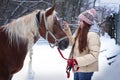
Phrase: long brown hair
[82,36]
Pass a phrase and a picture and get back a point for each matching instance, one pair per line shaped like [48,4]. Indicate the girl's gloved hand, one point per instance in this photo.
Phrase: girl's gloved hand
[66,28]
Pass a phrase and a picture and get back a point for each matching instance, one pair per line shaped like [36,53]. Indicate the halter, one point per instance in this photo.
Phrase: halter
[49,32]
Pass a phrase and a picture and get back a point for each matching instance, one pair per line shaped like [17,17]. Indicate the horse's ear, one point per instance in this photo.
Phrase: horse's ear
[50,11]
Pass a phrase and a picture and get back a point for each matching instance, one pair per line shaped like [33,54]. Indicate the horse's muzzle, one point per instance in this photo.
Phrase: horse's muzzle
[63,44]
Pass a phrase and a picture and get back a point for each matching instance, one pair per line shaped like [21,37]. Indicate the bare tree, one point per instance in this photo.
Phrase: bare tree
[67,9]
[94,3]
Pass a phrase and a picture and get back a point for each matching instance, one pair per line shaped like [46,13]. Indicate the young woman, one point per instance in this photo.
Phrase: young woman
[85,46]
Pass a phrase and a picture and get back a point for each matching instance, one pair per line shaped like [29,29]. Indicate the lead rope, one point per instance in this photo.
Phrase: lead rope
[71,66]
[67,69]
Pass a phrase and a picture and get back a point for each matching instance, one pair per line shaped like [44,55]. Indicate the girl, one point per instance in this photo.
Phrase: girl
[85,46]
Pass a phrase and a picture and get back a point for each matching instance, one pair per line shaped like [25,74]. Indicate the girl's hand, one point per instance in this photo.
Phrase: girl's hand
[67,30]
[66,27]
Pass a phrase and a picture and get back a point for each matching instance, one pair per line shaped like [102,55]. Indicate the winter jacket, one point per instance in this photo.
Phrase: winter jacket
[88,59]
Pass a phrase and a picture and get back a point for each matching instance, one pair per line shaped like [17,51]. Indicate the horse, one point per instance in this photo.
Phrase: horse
[18,36]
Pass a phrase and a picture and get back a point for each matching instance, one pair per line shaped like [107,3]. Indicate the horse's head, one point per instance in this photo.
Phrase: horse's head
[50,29]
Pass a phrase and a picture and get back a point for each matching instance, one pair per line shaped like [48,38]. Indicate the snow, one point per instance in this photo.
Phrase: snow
[47,63]
[108,72]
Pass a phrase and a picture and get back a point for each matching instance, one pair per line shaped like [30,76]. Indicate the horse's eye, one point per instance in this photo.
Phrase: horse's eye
[54,31]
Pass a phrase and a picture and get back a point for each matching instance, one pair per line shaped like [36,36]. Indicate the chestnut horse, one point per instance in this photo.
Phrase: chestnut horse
[18,37]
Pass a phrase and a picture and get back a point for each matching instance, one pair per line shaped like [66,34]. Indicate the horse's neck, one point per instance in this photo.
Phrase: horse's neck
[25,28]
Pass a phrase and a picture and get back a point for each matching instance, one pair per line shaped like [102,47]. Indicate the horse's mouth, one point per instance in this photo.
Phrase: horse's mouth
[63,44]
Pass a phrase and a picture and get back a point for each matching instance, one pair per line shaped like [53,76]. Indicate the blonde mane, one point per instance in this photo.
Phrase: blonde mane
[24,27]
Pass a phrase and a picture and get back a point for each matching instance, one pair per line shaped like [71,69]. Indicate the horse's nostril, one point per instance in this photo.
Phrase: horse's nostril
[63,44]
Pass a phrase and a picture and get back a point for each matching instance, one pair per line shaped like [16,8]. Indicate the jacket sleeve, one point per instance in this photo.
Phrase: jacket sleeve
[69,35]
[93,49]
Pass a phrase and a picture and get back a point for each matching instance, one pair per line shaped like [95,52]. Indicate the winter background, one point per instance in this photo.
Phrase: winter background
[47,64]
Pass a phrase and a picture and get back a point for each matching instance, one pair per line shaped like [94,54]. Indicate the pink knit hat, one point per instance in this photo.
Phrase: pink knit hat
[88,16]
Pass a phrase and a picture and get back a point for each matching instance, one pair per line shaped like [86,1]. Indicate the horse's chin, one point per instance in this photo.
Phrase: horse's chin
[63,44]
[62,48]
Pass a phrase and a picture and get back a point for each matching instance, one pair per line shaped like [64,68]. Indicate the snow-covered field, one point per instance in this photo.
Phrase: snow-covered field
[47,63]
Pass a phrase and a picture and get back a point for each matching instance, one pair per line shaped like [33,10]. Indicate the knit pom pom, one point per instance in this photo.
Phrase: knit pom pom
[93,11]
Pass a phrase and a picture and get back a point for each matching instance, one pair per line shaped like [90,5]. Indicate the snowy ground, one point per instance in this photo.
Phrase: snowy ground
[48,65]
